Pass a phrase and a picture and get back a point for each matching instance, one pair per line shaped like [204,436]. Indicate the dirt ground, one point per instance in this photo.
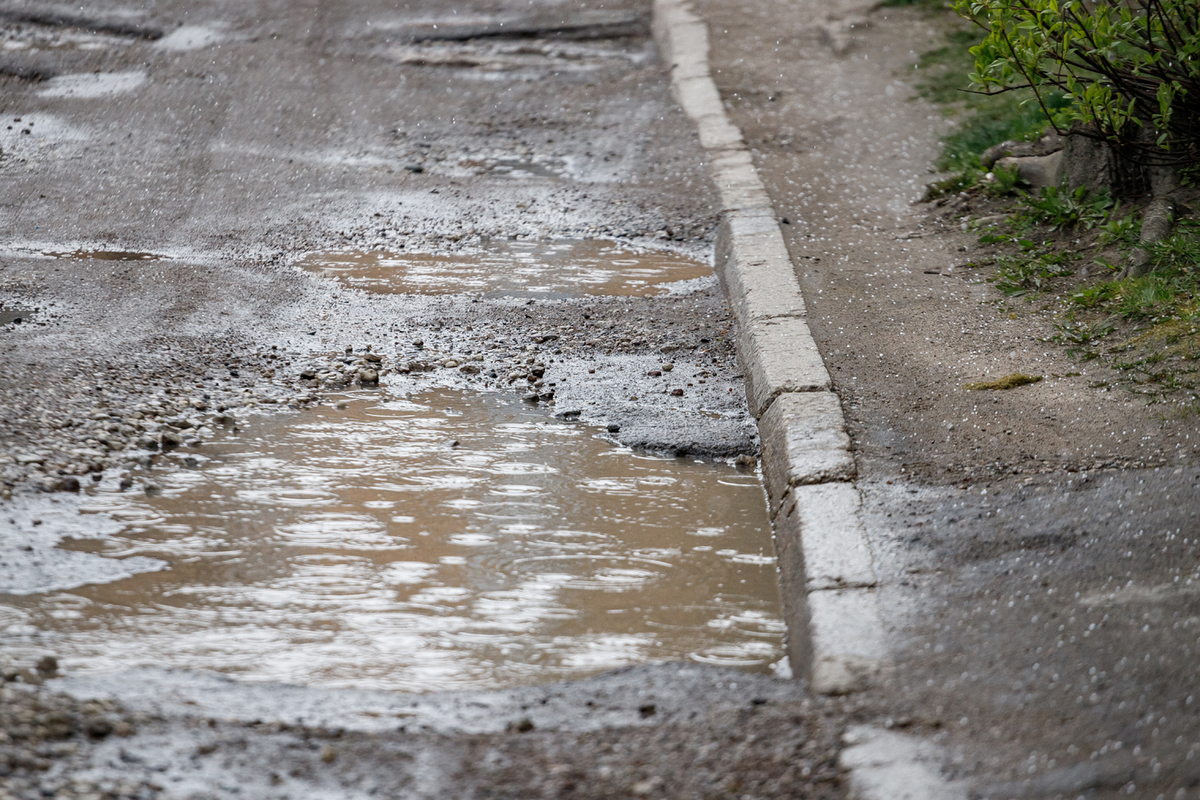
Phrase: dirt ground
[1037,546]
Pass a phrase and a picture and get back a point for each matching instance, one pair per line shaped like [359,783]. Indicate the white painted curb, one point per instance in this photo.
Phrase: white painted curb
[885,765]
[835,634]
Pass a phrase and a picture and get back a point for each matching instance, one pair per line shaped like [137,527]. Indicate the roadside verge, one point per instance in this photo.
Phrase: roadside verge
[827,578]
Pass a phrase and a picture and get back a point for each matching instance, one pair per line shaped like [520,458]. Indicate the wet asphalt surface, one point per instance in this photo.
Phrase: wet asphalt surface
[1044,631]
[165,166]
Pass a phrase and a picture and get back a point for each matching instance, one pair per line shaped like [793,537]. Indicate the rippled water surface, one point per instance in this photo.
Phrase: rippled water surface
[590,267]
[436,542]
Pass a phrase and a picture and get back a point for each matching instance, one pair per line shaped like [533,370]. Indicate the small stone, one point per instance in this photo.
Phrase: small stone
[614,427]
[745,461]
[469,369]
[368,377]
[308,374]
[668,367]
[328,754]
[643,788]
[677,393]
[47,666]
[668,348]
[169,440]
[99,728]
[524,725]
[374,358]
[654,373]
[569,413]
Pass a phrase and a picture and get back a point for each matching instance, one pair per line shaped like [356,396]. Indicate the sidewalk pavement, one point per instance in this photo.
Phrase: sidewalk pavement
[1036,549]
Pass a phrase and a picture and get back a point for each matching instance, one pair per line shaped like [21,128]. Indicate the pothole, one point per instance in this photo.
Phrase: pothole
[589,24]
[440,541]
[532,57]
[103,255]
[521,269]
[15,316]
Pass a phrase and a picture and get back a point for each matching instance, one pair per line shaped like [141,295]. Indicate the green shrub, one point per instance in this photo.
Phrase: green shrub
[1130,68]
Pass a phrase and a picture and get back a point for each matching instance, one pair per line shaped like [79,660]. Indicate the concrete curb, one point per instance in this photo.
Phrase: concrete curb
[886,764]
[835,634]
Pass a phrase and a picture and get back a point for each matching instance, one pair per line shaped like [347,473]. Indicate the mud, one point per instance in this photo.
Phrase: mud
[104,255]
[15,316]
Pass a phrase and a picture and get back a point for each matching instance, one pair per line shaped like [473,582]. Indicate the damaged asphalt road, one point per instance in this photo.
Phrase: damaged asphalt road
[160,191]
[165,172]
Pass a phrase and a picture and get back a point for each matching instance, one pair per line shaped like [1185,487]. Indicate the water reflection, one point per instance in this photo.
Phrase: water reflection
[357,547]
[562,268]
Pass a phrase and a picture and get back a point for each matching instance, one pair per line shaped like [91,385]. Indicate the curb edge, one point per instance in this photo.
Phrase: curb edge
[836,637]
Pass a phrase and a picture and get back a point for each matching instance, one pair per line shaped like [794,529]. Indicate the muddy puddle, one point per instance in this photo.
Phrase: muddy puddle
[103,255]
[15,316]
[534,269]
[436,542]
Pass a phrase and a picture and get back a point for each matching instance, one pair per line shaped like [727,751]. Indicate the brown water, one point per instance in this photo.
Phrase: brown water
[437,542]
[105,255]
[10,315]
[591,267]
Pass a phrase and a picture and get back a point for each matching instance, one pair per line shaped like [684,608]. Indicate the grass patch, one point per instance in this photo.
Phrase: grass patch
[1031,271]
[1166,295]
[1007,382]
[1062,209]
[1147,328]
